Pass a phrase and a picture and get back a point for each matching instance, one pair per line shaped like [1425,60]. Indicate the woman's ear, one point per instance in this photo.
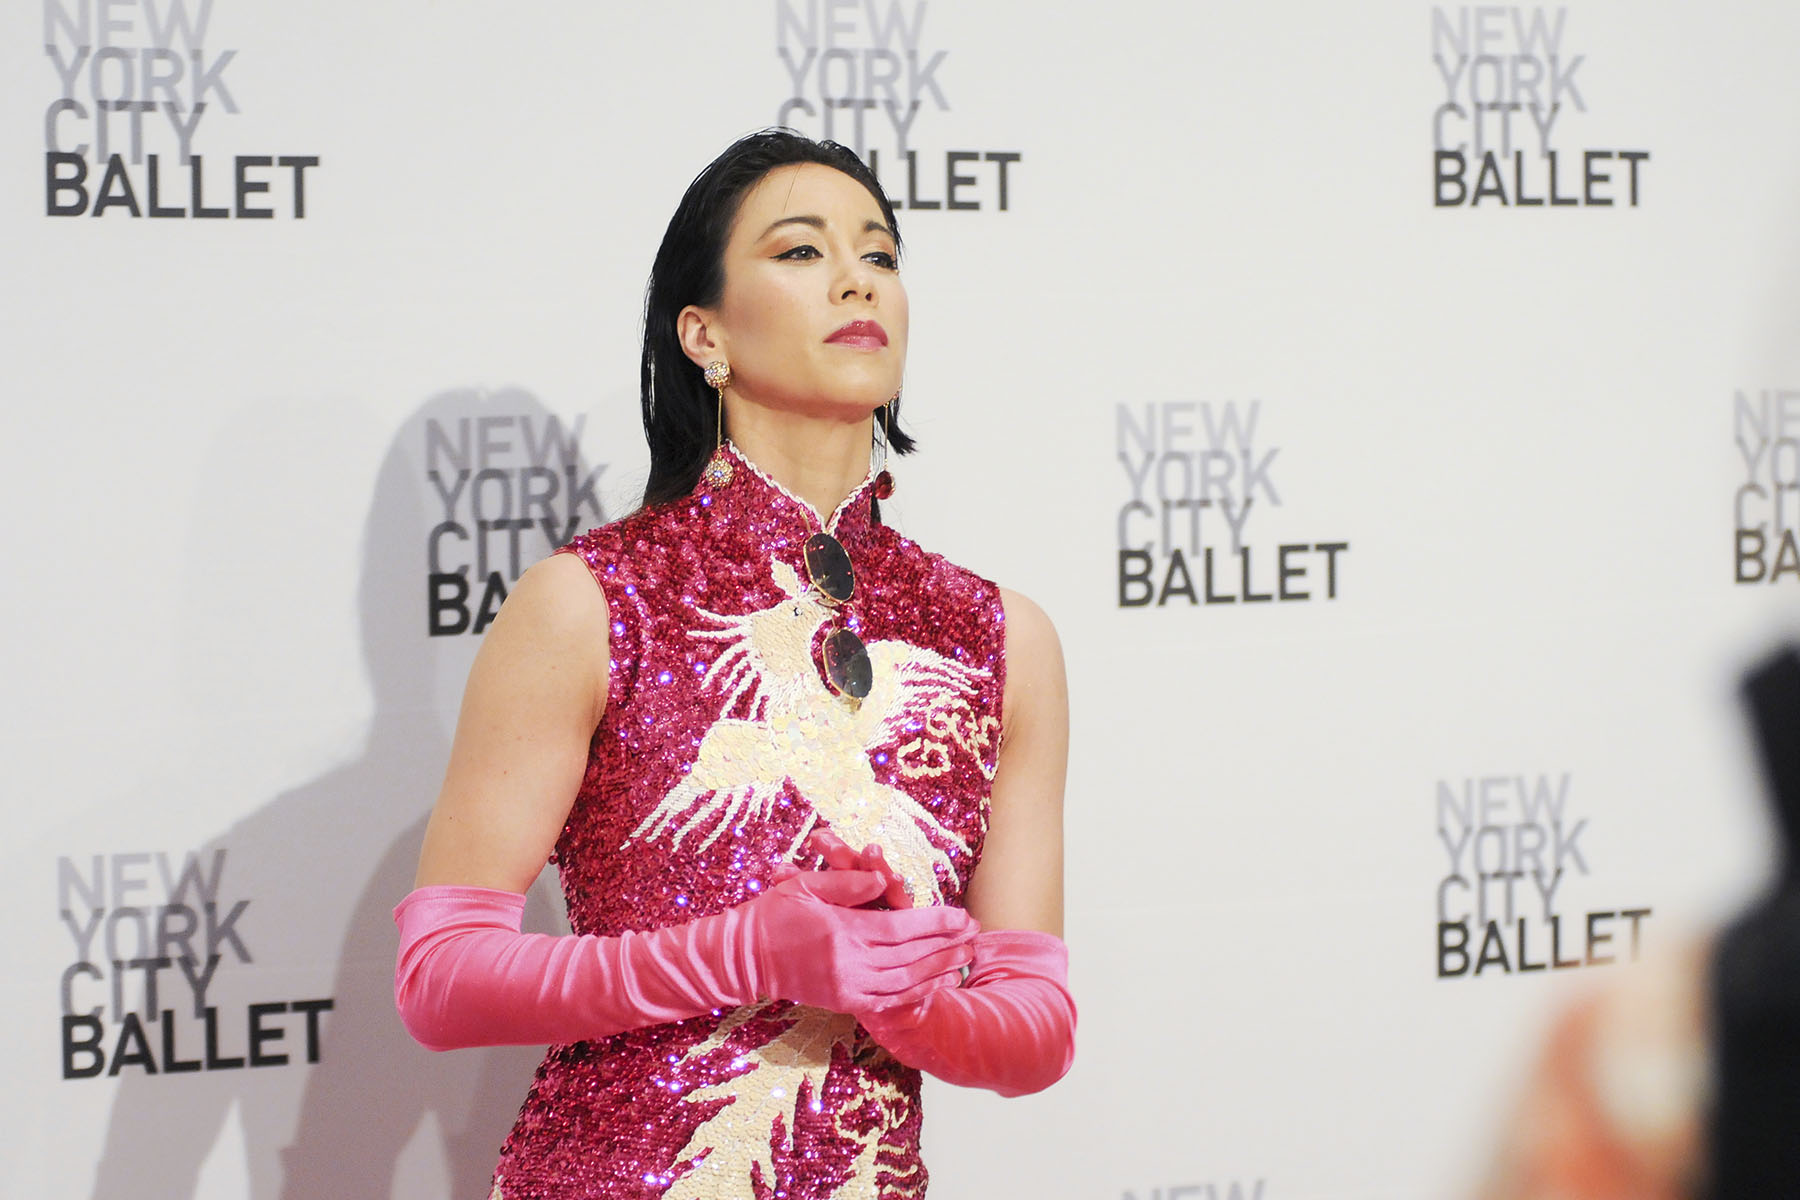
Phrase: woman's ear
[701,338]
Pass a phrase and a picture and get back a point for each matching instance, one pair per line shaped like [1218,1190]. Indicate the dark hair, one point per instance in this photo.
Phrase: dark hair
[679,408]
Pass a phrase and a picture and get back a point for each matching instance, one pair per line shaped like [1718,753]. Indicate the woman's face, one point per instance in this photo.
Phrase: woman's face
[813,317]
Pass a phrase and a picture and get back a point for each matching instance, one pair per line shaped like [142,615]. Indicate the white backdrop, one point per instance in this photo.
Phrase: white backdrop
[1204,280]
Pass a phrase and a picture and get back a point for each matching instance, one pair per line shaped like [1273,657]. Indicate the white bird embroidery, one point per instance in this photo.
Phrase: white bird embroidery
[792,730]
[795,731]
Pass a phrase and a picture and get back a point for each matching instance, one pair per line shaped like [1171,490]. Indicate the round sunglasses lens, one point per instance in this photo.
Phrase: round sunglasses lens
[847,664]
[829,566]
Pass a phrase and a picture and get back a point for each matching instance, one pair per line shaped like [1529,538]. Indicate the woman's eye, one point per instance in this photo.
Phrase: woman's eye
[799,252]
[883,259]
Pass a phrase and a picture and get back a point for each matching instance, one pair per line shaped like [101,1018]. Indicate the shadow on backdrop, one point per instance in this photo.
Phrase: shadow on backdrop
[324,863]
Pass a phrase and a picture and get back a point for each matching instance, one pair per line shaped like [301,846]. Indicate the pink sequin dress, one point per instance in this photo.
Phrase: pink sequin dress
[721,748]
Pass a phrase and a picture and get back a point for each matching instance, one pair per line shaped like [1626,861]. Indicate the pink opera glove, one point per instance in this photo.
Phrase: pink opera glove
[1010,1027]
[467,976]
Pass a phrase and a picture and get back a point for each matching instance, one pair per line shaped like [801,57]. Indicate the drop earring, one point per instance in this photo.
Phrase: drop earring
[717,472]
[884,482]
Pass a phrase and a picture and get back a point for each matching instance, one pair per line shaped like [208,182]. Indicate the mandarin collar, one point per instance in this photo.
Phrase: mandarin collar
[752,493]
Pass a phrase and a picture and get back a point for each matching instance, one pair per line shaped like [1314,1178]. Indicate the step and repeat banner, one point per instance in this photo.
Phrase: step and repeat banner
[1396,406]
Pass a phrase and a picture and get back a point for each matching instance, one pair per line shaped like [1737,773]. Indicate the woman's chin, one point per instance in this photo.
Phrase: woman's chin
[851,403]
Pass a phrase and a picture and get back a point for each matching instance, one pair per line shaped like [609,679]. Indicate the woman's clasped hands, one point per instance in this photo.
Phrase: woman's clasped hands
[816,944]
[1007,1023]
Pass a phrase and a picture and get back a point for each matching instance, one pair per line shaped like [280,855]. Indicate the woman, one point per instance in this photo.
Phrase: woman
[768,751]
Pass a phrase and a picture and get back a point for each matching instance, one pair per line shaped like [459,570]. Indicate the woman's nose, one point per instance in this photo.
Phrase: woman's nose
[857,279]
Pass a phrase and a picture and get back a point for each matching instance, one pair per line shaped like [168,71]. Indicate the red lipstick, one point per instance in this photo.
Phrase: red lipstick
[865,335]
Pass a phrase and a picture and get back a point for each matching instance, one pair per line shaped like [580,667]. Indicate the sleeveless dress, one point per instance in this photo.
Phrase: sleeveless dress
[721,748]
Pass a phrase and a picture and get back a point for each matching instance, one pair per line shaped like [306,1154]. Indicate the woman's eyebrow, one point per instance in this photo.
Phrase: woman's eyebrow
[815,222]
[871,226]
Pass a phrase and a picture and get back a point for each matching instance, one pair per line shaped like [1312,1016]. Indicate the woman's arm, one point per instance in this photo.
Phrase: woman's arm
[1019,882]
[535,694]
[1011,1026]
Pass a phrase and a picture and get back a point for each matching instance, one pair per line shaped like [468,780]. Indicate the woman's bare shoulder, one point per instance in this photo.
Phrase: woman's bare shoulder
[560,590]
[553,624]
[1027,624]
[1034,662]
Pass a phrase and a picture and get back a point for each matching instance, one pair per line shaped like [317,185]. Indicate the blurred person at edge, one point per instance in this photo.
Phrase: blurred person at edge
[801,778]
[1682,1080]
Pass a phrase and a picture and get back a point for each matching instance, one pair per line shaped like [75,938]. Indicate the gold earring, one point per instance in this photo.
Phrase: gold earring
[717,472]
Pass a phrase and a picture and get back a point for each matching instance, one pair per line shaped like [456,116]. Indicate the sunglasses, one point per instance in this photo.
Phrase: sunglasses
[845,658]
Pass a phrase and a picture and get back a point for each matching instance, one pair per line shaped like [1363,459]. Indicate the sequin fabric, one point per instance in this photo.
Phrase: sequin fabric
[721,748]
